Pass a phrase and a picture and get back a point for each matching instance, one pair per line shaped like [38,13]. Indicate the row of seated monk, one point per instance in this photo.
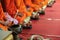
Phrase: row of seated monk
[20,12]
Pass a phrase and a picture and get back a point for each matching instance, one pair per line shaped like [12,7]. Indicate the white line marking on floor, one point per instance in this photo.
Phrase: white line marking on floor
[54,19]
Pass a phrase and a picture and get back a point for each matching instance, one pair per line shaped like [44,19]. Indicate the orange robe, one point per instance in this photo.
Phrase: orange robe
[13,5]
[31,4]
[11,9]
[44,2]
[2,17]
[22,9]
[38,2]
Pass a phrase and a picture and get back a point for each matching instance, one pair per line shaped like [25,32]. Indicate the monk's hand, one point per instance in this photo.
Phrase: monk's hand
[7,23]
[3,23]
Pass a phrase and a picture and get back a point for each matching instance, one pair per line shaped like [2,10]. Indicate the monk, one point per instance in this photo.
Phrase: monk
[19,14]
[3,24]
[11,8]
[22,9]
[32,6]
[43,4]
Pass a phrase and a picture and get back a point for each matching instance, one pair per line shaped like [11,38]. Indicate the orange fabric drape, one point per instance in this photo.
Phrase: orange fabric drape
[10,7]
[21,7]
[2,17]
[31,4]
